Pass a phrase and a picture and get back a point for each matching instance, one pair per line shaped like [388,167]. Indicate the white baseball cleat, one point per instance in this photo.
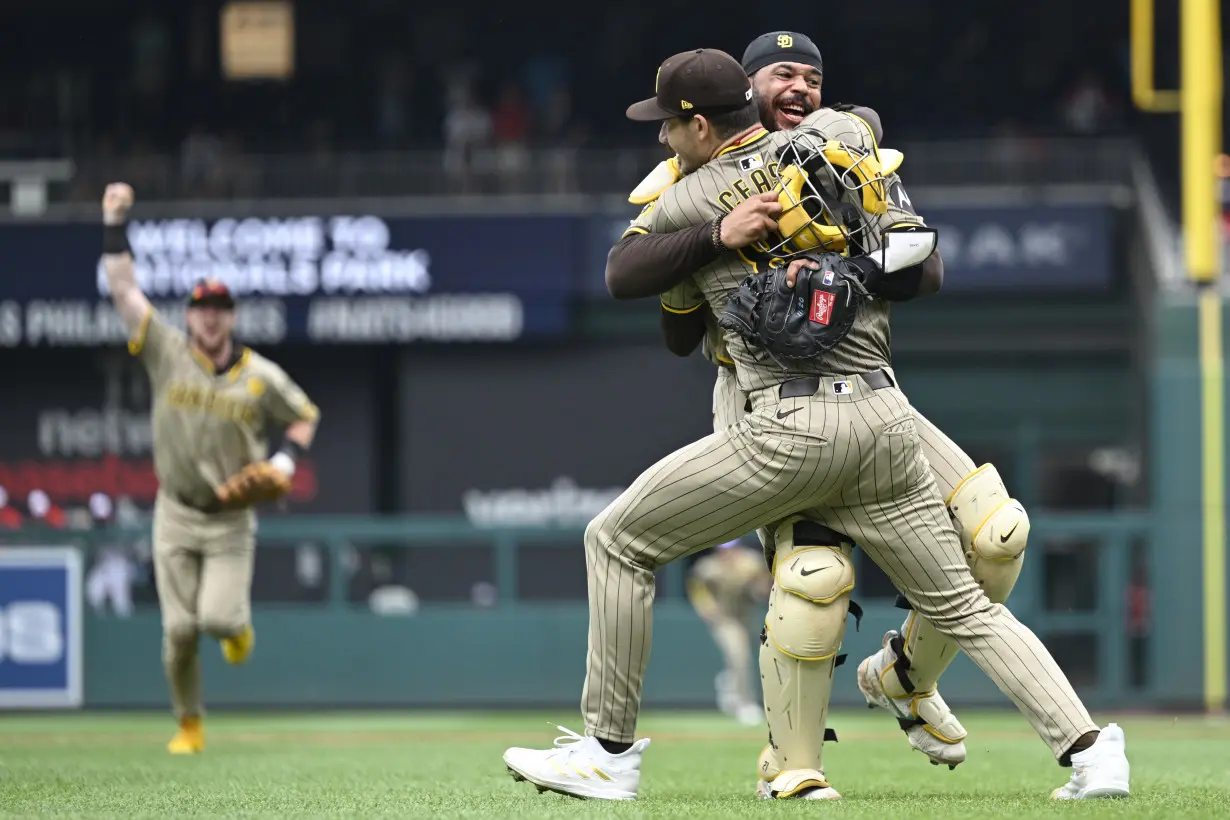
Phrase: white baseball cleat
[806,784]
[1100,771]
[928,723]
[578,766]
[797,784]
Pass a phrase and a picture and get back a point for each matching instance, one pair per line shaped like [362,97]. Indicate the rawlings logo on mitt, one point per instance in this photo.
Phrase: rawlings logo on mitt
[801,322]
[258,483]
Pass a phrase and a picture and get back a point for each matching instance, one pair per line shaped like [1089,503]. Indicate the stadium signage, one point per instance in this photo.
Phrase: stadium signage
[320,279]
[40,628]
[988,249]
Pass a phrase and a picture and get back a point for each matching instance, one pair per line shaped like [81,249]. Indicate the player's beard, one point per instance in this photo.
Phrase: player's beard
[774,118]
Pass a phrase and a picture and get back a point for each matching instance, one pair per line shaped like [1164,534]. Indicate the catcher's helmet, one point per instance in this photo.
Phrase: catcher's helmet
[828,192]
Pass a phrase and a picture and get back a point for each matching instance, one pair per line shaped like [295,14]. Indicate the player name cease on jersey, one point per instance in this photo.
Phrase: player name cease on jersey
[209,425]
[739,172]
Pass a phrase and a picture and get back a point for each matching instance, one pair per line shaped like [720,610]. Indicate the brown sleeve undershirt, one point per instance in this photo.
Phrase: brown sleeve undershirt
[683,332]
[641,265]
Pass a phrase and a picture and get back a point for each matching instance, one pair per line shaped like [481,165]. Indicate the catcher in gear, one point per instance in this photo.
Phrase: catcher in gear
[787,75]
[830,456]
[213,402]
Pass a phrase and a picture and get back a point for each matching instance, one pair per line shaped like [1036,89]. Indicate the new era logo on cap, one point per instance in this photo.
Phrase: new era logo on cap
[703,81]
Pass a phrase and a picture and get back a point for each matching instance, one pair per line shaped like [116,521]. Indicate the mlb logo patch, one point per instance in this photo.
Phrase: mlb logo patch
[751,163]
[842,388]
[822,307]
[829,276]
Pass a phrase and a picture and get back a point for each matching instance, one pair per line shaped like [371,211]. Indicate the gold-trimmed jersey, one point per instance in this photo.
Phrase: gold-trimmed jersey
[737,173]
[208,425]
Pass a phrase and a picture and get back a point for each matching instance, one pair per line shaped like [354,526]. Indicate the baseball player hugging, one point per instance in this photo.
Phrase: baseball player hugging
[826,456]
[787,74]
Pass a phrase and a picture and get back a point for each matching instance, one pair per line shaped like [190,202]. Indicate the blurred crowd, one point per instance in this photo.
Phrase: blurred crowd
[488,85]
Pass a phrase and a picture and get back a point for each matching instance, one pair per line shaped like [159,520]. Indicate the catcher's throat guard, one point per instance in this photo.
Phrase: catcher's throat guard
[828,192]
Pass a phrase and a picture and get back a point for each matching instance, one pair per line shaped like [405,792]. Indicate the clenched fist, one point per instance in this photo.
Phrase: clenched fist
[117,200]
[751,221]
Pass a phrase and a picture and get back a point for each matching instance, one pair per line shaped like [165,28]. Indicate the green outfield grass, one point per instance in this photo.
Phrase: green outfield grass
[448,765]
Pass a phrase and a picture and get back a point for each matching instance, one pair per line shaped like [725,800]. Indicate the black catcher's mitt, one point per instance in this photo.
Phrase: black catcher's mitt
[800,322]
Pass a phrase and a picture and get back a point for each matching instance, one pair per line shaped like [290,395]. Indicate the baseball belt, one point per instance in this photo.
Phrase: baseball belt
[808,385]
[208,509]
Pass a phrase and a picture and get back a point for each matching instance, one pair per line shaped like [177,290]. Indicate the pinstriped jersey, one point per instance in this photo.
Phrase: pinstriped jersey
[737,173]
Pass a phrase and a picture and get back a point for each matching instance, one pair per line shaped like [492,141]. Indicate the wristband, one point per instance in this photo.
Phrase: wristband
[716,236]
[292,450]
[115,239]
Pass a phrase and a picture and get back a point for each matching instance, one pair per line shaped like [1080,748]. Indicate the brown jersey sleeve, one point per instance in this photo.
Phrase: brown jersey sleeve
[684,317]
[643,264]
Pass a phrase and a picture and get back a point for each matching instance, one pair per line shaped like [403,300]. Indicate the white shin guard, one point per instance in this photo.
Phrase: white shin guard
[803,633]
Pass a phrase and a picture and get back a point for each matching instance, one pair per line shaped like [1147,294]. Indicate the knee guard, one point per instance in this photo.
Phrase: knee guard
[811,596]
[994,530]
[812,579]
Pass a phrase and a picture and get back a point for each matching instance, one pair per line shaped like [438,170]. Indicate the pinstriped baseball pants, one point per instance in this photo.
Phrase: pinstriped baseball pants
[852,460]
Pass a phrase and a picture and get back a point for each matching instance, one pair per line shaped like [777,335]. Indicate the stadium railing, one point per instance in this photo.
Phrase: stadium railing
[1100,623]
[1006,161]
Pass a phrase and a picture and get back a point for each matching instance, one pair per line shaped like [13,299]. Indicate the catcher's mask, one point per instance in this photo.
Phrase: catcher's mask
[828,190]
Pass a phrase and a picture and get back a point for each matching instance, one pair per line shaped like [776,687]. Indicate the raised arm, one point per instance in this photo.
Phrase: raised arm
[129,301]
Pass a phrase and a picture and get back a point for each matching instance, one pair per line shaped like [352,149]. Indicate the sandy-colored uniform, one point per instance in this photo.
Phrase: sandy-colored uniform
[724,587]
[930,652]
[207,426]
[830,440]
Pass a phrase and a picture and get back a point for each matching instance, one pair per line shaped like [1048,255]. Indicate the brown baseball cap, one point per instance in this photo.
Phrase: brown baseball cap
[703,81]
[211,293]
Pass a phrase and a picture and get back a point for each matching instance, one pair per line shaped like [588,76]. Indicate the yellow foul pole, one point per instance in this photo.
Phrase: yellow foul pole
[1199,102]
